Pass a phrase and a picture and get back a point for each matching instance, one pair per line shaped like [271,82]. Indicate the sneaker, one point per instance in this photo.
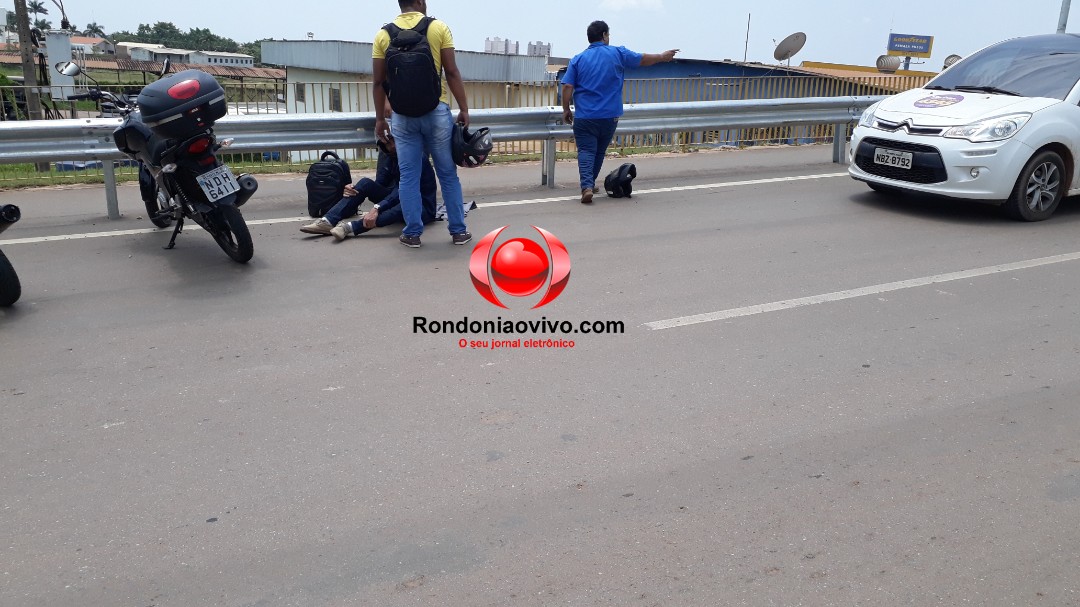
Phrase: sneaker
[342,231]
[410,241]
[462,238]
[320,226]
[586,196]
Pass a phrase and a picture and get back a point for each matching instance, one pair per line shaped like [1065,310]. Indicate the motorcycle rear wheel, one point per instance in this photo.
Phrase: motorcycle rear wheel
[236,239]
[10,288]
[158,212]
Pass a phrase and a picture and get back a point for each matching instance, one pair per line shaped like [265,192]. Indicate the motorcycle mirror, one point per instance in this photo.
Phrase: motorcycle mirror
[164,67]
[68,68]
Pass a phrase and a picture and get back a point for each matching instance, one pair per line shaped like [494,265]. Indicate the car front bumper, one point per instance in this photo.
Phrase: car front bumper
[955,168]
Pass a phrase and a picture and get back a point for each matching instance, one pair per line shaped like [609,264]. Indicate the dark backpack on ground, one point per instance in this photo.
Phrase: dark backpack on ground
[326,181]
[618,182]
[412,84]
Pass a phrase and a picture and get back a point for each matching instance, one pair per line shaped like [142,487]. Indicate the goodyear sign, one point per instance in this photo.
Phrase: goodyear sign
[906,45]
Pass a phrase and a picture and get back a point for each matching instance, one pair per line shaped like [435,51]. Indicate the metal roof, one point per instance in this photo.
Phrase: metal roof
[355,58]
[132,65]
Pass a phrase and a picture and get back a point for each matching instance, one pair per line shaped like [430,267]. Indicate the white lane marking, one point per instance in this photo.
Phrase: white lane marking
[788,304]
[684,188]
[504,203]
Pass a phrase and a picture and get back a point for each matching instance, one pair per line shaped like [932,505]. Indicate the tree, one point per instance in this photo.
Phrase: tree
[43,24]
[94,30]
[254,49]
[36,7]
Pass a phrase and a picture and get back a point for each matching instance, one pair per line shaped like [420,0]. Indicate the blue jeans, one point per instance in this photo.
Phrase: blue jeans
[347,206]
[391,216]
[414,136]
[592,135]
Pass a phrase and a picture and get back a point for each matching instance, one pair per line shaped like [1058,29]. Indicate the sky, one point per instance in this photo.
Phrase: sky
[837,31]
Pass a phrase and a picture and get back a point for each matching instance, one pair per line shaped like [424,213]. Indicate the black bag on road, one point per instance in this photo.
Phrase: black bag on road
[326,181]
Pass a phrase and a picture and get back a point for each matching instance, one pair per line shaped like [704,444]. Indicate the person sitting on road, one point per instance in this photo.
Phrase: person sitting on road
[383,191]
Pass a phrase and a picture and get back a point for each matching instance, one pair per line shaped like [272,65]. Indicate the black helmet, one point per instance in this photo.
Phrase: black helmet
[470,149]
[617,183]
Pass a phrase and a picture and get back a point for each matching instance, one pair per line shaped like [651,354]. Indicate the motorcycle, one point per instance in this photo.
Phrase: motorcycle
[10,289]
[169,131]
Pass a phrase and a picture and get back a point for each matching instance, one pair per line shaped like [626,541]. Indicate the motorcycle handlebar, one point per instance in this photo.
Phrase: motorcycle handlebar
[96,95]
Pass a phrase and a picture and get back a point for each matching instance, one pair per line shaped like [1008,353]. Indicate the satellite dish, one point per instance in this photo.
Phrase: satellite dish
[951,59]
[789,46]
[888,64]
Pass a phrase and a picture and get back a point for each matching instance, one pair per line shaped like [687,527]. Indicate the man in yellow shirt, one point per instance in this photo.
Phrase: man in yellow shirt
[402,74]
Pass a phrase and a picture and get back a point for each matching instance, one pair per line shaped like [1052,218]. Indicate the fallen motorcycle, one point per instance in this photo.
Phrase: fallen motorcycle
[10,288]
[169,131]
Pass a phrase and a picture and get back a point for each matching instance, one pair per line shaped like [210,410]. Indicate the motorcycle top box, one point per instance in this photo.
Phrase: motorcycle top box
[182,104]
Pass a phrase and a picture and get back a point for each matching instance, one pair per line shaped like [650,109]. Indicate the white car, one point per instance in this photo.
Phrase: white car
[1002,126]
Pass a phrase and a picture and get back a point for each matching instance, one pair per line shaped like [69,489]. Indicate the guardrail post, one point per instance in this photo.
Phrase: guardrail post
[839,143]
[111,201]
[547,176]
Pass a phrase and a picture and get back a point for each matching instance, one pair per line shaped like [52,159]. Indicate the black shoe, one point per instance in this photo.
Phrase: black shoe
[462,238]
[410,241]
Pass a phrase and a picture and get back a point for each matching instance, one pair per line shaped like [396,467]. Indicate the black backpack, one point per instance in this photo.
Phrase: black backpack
[326,181]
[618,182]
[412,84]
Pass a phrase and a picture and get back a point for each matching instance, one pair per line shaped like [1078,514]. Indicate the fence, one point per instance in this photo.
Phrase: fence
[257,99]
[90,140]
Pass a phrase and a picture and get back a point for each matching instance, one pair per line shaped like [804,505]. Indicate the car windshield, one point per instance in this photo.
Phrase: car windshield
[1035,66]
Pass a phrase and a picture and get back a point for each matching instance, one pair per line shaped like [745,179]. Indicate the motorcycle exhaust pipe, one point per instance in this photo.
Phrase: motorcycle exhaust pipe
[248,186]
[9,214]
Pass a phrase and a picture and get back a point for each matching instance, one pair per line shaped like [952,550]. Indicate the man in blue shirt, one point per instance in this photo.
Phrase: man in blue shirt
[594,81]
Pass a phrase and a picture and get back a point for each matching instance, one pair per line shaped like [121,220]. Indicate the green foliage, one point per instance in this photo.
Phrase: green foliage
[254,49]
[163,32]
[93,29]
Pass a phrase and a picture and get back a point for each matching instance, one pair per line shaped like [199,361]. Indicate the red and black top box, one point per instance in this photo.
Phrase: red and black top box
[182,104]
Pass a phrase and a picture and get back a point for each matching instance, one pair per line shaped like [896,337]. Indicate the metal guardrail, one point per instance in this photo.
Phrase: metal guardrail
[91,138]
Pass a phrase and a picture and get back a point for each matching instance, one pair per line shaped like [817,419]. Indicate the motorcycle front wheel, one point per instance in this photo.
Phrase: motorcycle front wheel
[231,233]
[10,289]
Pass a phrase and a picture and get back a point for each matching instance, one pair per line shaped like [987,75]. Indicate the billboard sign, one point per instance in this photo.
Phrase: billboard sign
[907,45]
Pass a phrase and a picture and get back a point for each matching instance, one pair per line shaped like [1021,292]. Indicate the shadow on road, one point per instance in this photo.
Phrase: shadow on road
[954,211]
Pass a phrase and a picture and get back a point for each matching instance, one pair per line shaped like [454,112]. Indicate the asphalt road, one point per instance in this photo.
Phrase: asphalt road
[822,396]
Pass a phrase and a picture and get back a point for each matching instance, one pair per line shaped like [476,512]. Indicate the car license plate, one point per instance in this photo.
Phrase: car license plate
[892,158]
[219,183]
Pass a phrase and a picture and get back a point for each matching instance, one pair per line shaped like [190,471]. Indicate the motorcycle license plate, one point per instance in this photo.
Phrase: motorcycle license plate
[218,183]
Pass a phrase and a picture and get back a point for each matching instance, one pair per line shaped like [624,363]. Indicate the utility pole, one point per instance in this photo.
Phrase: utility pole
[747,45]
[33,100]
[1064,17]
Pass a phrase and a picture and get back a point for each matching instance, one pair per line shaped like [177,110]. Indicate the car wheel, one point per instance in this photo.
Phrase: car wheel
[1039,189]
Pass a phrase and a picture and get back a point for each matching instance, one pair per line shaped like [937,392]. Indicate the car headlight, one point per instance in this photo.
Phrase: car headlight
[993,129]
[867,118]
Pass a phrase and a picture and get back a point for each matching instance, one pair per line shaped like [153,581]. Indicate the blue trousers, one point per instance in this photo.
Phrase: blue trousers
[347,207]
[427,134]
[593,136]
